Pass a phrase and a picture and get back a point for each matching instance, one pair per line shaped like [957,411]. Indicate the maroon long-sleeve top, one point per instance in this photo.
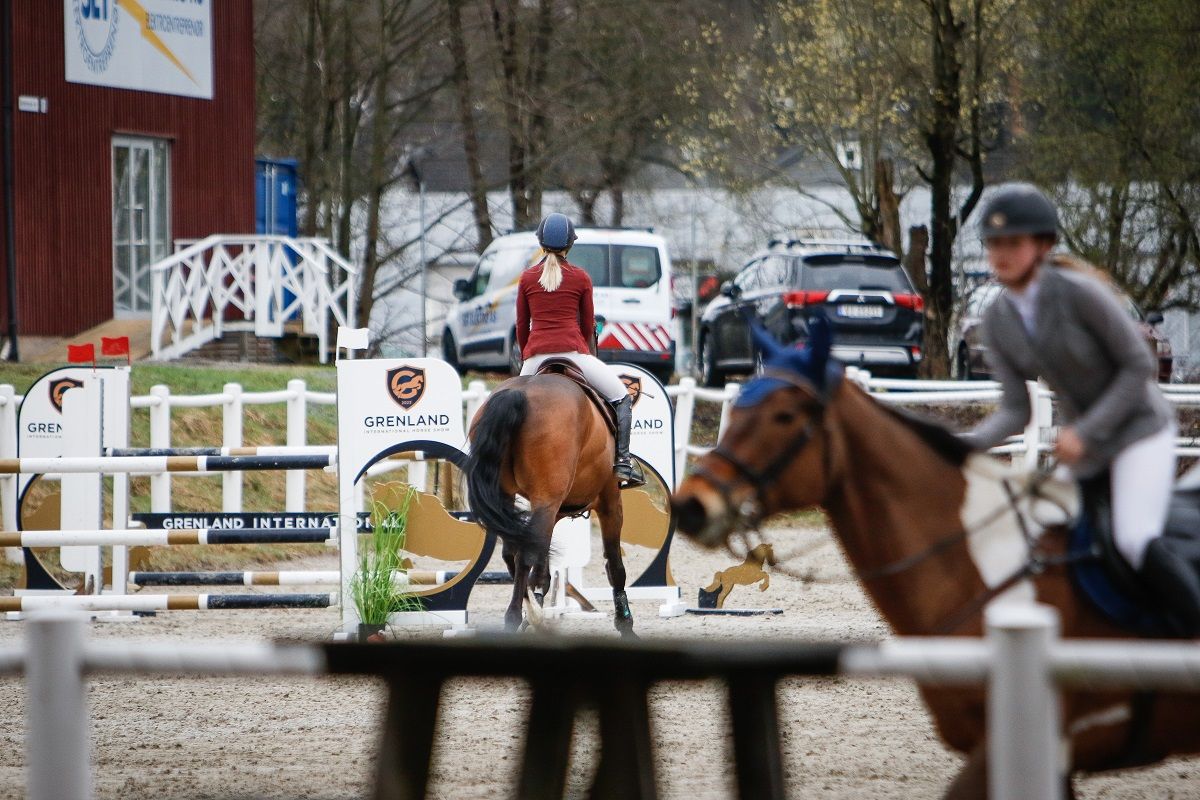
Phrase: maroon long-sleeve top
[561,321]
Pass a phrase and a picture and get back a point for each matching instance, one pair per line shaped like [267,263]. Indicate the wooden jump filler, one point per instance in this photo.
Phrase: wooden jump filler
[750,572]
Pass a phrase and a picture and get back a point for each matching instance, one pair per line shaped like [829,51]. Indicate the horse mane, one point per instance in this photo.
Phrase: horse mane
[940,439]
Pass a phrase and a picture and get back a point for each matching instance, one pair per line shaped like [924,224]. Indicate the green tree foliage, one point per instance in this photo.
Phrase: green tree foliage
[1113,131]
[913,86]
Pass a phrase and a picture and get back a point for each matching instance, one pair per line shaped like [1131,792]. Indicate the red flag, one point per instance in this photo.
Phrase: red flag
[81,353]
[115,346]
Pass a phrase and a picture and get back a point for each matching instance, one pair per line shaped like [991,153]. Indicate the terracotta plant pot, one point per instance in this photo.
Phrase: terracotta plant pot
[371,633]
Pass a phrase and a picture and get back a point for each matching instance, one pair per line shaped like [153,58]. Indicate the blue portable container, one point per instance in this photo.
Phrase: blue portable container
[276,186]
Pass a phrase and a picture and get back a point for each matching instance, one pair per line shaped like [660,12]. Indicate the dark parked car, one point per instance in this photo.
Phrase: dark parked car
[969,358]
[862,289]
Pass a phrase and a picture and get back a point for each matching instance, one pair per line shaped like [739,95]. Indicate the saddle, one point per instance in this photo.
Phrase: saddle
[1105,578]
[567,369]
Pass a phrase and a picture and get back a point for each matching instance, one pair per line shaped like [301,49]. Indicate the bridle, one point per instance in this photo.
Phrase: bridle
[763,480]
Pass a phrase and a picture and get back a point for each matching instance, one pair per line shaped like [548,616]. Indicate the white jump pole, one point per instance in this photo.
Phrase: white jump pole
[1023,714]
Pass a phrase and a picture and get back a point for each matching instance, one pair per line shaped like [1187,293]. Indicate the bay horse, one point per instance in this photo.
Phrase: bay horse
[916,515]
[540,437]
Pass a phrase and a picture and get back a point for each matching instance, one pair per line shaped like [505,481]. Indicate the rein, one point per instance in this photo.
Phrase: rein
[762,481]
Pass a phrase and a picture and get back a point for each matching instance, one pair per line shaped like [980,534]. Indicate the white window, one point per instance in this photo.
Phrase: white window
[141,218]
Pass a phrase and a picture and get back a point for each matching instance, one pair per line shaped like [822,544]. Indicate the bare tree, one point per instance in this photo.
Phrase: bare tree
[470,132]
[906,85]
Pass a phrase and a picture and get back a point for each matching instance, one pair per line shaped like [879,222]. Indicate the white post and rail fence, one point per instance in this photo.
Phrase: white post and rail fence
[1022,662]
[233,400]
[254,283]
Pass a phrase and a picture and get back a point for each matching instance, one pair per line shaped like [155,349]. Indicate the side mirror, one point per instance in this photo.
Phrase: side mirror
[731,290]
[462,289]
[1154,318]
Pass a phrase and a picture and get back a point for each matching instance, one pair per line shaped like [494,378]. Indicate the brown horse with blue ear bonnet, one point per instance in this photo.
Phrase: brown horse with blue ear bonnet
[931,530]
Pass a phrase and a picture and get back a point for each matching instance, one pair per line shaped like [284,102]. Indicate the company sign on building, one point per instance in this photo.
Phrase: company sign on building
[162,46]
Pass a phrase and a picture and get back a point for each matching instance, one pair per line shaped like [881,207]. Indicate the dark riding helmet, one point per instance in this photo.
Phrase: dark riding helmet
[1017,208]
[556,232]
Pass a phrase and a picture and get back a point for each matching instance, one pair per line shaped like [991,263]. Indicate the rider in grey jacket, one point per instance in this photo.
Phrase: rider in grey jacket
[1060,321]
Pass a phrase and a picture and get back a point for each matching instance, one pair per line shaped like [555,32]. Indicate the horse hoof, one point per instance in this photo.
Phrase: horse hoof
[627,633]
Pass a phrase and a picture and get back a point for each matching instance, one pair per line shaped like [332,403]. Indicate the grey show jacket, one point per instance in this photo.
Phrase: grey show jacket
[1091,353]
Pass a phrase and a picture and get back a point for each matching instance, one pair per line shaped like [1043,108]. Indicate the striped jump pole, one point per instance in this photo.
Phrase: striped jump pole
[165,464]
[277,578]
[141,537]
[265,450]
[165,602]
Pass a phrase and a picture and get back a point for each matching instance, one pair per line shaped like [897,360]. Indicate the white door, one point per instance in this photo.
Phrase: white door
[141,218]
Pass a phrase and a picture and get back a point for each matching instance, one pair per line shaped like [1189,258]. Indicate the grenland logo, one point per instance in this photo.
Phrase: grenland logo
[406,385]
[633,385]
[96,22]
[58,388]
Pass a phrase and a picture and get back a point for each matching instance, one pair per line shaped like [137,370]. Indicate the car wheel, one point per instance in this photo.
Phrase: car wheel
[514,355]
[962,364]
[709,374]
[450,351]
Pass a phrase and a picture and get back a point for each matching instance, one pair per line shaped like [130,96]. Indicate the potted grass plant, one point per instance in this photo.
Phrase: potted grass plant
[374,587]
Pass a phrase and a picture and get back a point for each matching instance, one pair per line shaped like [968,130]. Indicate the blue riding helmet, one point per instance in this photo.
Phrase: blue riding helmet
[556,232]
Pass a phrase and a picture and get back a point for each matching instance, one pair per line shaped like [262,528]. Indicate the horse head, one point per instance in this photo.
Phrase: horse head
[763,553]
[774,454]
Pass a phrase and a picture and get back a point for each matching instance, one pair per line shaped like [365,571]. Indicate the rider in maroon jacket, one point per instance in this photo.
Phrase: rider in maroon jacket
[555,320]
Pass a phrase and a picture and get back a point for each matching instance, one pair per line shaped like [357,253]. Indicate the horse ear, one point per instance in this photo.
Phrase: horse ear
[820,342]
[763,340]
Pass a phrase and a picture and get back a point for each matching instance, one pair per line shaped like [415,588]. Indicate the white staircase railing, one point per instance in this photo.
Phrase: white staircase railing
[248,283]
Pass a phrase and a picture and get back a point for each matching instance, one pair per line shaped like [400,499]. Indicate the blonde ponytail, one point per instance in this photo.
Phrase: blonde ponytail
[551,277]
[1077,264]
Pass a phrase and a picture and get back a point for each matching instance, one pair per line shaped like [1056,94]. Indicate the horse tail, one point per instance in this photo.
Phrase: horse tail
[491,441]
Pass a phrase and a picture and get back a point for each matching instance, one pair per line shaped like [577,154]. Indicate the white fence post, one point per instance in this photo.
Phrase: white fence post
[8,484]
[160,437]
[685,409]
[731,393]
[297,436]
[231,436]
[1023,715]
[1032,437]
[57,758]
[477,393]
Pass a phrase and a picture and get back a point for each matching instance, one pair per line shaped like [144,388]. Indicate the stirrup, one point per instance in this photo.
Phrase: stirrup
[629,474]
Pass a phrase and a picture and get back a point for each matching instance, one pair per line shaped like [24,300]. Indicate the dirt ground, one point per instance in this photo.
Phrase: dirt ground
[198,737]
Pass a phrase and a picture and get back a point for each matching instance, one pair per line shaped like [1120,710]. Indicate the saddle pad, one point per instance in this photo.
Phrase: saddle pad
[1092,579]
[567,369]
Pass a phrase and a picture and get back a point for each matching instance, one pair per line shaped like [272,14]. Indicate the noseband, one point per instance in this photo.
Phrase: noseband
[761,481]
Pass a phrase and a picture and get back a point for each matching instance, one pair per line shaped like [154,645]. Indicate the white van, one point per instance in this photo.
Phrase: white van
[631,273]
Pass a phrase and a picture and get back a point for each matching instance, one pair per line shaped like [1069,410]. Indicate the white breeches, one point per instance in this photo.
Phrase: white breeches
[602,378]
[1143,478]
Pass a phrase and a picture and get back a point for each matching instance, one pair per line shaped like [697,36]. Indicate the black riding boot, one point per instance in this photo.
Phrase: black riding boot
[629,472]
[1169,573]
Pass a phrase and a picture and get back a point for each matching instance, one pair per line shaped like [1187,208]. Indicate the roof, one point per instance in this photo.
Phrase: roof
[807,247]
[590,235]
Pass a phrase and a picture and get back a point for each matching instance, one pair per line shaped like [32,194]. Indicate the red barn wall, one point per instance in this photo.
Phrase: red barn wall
[63,164]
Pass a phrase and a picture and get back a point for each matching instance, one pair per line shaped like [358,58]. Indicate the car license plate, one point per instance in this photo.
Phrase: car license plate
[860,311]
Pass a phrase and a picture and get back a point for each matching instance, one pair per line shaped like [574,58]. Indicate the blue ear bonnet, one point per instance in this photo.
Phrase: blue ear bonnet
[812,362]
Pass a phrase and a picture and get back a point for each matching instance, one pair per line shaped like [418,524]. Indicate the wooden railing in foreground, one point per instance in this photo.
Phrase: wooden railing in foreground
[1022,662]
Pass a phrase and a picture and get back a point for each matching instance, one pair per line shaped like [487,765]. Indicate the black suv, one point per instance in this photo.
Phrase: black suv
[862,289]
